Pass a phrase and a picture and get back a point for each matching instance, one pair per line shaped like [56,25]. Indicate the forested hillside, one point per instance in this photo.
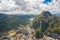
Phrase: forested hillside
[8,22]
[46,22]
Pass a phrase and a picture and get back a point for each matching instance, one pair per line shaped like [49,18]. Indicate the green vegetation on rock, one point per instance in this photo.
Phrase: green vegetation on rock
[46,22]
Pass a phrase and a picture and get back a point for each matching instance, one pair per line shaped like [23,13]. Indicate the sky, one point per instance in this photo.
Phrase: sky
[29,6]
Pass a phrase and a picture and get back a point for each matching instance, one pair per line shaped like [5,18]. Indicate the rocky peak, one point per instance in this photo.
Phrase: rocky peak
[46,13]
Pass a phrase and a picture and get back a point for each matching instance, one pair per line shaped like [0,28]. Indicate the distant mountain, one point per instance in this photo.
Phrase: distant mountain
[57,15]
[24,16]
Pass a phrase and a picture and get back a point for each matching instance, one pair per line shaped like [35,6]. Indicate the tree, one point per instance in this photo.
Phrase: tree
[38,34]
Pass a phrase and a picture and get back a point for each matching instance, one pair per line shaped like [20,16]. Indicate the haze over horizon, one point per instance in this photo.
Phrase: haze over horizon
[29,6]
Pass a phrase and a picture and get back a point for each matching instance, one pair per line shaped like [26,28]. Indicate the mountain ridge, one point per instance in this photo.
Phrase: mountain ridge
[44,23]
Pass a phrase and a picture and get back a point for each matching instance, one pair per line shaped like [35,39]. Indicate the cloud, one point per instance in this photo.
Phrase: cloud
[29,6]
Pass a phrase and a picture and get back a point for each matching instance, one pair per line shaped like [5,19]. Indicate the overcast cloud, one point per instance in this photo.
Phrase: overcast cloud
[29,6]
